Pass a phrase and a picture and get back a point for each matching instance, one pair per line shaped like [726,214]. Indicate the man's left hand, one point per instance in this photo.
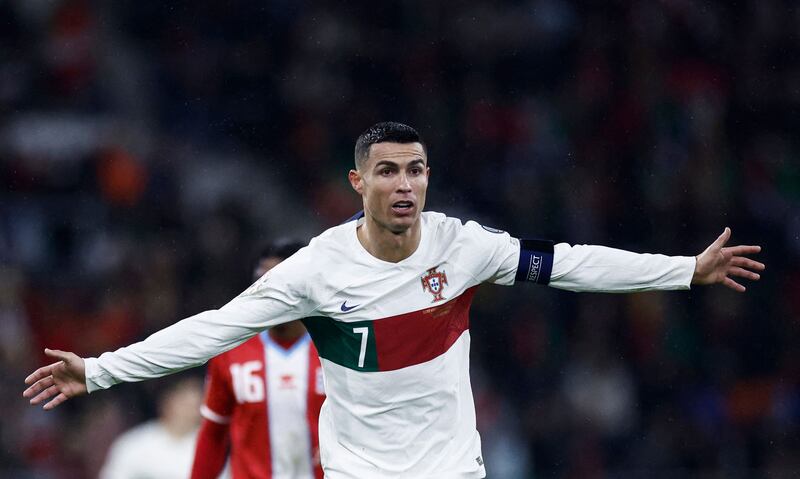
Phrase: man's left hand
[717,264]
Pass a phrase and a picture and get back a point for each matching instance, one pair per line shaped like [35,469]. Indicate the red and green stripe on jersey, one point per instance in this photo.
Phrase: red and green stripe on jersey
[394,342]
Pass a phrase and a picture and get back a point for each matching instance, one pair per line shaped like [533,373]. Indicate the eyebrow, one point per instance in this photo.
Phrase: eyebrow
[394,164]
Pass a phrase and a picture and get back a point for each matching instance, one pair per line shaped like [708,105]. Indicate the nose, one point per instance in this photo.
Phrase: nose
[403,183]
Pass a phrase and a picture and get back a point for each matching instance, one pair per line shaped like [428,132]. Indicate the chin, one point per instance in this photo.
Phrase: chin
[400,226]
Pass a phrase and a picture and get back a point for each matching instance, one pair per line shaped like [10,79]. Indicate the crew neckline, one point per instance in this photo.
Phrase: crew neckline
[423,237]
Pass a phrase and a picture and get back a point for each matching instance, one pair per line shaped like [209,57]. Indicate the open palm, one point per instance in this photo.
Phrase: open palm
[60,381]
[717,264]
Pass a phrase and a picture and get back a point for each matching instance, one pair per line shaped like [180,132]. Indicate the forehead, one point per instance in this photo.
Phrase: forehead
[396,153]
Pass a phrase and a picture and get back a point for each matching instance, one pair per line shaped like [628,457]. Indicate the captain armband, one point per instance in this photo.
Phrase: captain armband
[535,261]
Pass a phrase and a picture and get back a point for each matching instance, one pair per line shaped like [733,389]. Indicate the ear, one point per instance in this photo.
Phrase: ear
[356,181]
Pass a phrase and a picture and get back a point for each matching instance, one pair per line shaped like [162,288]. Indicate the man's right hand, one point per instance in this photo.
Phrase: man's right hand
[61,380]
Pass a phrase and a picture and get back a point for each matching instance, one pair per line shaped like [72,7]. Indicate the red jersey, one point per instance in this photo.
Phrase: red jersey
[271,398]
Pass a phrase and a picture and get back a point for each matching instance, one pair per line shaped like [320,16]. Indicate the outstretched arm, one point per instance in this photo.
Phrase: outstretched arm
[276,298]
[602,269]
[59,381]
[718,263]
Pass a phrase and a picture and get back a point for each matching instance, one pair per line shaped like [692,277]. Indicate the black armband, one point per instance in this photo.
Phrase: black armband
[535,261]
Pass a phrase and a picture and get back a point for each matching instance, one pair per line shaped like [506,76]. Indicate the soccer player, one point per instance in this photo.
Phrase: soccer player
[263,400]
[386,301]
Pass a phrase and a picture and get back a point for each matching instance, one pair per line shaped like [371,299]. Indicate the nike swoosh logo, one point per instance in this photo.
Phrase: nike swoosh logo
[346,308]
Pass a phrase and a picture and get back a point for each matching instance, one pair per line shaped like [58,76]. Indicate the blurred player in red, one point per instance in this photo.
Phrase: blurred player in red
[262,402]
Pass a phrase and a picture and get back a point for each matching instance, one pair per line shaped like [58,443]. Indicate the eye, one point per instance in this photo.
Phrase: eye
[385,171]
[415,170]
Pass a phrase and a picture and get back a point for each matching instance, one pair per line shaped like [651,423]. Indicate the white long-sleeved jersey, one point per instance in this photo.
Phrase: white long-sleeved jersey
[393,337]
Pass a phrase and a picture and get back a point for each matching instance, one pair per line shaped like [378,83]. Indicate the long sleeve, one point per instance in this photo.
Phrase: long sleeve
[278,297]
[603,269]
[211,451]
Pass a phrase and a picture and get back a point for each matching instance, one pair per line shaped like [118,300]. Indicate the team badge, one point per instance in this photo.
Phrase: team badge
[434,282]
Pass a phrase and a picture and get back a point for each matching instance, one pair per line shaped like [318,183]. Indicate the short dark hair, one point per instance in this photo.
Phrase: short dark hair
[280,249]
[384,132]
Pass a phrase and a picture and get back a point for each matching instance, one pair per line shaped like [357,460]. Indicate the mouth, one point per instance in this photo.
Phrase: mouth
[403,207]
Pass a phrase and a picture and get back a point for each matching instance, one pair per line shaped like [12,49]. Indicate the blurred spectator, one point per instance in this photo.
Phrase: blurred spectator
[162,448]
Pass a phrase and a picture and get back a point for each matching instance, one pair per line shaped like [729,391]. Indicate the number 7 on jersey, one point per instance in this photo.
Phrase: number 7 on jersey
[364,332]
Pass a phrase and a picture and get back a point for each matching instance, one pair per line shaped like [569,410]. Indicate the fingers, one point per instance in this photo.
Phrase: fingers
[56,401]
[55,353]
[723,238]
[747,263]
[743,250]
[39,386]
[56,382]
[45,395]
[40,373]
[743,273]
[734,285]
[45,371]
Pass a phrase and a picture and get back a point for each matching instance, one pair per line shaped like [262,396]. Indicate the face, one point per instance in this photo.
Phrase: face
[180,405]
[392,183]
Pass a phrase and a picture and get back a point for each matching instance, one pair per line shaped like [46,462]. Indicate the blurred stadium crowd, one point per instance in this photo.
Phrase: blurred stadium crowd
[147,149]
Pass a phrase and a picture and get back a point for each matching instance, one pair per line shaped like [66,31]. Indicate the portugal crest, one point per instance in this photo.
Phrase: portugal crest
[434,282]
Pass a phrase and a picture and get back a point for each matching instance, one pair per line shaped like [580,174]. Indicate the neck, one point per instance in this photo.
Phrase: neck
[387,245]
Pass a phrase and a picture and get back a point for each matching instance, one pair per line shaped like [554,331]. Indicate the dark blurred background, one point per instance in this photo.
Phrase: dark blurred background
[147,149]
